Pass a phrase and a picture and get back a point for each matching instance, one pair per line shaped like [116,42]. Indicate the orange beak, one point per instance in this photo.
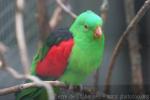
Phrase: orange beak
[98,32]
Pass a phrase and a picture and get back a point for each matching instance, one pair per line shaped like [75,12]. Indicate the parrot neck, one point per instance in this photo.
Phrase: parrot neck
[88,45]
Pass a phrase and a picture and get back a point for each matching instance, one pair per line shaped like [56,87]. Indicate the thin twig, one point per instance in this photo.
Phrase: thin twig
[20,36]
[66,9]
[56,17]
[119,45]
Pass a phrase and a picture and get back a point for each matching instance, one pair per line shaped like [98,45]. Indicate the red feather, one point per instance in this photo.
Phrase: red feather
[55,62]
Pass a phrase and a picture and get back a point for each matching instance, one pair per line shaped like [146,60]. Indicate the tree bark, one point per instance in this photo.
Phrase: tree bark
[134,50]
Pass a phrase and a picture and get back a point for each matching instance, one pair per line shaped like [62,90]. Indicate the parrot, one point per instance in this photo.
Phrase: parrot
[68,55]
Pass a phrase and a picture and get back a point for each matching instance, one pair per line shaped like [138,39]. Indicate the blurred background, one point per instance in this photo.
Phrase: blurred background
[113,28]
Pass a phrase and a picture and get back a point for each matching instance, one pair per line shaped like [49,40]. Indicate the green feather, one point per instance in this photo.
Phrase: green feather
[39,56]
[32,94]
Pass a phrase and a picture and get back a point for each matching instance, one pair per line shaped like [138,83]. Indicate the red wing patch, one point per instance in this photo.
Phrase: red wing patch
[55,62]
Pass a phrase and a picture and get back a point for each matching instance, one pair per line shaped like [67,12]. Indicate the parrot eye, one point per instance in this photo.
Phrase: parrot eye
[85,26]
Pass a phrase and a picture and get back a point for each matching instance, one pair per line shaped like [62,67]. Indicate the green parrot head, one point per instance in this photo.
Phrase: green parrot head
[87,26]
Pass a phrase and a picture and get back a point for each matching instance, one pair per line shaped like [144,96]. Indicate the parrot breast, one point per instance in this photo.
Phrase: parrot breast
[83,61]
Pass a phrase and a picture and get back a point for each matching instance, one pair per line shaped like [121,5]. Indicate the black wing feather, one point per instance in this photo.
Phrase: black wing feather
[58,36]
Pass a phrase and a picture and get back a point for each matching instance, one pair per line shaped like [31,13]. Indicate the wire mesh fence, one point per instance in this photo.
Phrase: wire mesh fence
[7,21]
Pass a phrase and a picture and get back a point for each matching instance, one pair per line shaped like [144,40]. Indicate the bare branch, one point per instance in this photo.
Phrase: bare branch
[20,87]
[66,9]
[119,45]
[56,18]
[20,35]
[17,88]
[13,72]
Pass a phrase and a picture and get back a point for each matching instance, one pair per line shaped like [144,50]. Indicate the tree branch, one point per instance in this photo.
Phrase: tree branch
[66,9]
[20,87]
[17,88]
[56,18]
[119,45]
[20,36]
